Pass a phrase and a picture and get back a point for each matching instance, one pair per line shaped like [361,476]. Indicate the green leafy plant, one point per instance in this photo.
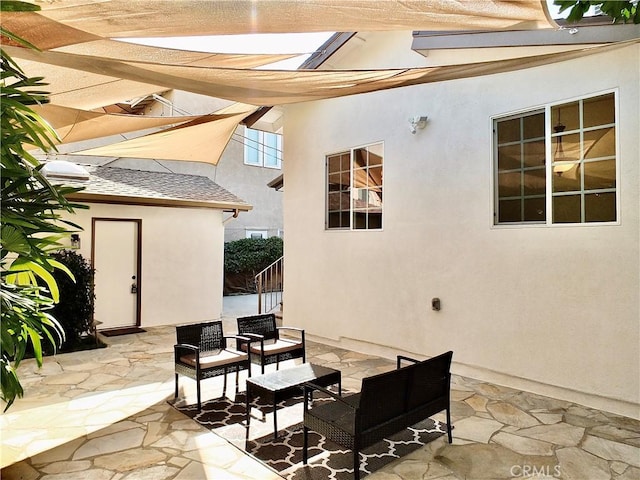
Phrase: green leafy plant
[74,311]
[619,10]
[251,254]
[245,258]
[31,224]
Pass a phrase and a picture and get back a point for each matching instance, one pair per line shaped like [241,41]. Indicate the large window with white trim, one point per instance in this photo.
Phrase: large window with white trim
[557,164]
[354,188]
[262,149]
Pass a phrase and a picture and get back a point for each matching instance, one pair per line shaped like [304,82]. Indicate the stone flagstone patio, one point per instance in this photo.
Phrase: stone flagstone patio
[103,415]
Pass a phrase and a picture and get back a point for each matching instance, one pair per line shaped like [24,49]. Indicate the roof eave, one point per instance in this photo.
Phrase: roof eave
[587,33]
[328,48]
[157,202]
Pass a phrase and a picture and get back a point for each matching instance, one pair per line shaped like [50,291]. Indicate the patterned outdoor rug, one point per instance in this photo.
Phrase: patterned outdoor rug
[226,417]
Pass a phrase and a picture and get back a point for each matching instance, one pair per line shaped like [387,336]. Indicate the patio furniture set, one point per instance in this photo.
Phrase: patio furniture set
[386,404]
[203,351]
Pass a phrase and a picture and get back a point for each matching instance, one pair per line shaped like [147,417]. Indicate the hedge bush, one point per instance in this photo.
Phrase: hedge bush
[245,258]
[77,299]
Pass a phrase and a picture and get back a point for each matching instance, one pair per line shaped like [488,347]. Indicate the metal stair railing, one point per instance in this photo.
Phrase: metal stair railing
[270,282]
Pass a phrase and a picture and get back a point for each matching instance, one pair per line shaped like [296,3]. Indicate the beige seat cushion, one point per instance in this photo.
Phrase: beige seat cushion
[208,360]
[277,346]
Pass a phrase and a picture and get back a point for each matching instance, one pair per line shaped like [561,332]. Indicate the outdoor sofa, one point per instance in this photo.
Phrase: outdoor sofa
[387,403]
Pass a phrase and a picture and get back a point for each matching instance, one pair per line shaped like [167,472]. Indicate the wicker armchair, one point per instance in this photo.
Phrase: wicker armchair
[266,344]
[202,352]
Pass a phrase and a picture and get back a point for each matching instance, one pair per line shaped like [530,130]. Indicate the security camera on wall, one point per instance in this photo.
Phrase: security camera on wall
[417,122]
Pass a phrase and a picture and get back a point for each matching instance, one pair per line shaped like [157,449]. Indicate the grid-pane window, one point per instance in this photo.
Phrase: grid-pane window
[584,161]
[557,164]
[521,169]
[354,188]
[262,149]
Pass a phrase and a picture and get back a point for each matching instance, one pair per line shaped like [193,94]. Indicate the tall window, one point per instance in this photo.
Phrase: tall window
[354,189]
[262,149]
[557,164]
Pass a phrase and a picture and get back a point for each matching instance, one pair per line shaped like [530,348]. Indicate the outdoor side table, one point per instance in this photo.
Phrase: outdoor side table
[284,384]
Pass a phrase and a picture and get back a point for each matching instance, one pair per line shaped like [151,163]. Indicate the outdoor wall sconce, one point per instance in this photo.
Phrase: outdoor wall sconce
[75,240]
[435,304]
[417,122]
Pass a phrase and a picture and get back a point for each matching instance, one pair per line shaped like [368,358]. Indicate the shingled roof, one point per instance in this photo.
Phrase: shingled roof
[138,187]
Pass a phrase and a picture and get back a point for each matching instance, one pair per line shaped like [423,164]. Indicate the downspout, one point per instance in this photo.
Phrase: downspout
[235,214]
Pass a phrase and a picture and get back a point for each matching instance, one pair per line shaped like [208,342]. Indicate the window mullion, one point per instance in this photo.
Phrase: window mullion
[583,214]
[522,178]
[496,196]
[351,189]
[548,165]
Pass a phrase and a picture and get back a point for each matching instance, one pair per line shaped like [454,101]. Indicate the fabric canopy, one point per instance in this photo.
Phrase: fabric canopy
[47,34]
[87,70]
[273,87]
[163,18]
[74,125]
[201,140]
[84,90]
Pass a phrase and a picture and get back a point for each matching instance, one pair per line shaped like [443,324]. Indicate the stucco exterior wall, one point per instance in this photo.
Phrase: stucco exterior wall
[182,260]
[246,181]
[550,309]
[250,183]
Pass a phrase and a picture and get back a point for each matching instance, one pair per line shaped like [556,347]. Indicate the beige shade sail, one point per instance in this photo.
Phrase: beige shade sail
[103,93]
[162,18]
[276,87]
[47,34]
[74,125]
[201,140]
[85,90]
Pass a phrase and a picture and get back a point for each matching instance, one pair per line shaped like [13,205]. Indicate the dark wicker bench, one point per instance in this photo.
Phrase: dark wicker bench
[267,346]
[387,403]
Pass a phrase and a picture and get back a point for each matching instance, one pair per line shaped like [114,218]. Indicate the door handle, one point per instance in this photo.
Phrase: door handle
[134,285]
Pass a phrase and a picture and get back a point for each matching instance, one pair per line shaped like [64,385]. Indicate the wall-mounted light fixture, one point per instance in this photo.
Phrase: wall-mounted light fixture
[75,240]
[417,122]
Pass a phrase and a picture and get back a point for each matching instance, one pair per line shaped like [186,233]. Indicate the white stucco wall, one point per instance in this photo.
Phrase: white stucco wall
[246,181]
[551,309]
[182,260]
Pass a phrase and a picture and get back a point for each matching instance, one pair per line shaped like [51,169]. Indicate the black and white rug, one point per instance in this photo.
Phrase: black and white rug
[327,460]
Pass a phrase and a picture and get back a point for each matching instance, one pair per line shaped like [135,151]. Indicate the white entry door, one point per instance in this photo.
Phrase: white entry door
[116,245]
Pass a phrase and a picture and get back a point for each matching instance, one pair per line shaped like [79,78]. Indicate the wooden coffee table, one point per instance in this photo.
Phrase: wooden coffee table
[285,384]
